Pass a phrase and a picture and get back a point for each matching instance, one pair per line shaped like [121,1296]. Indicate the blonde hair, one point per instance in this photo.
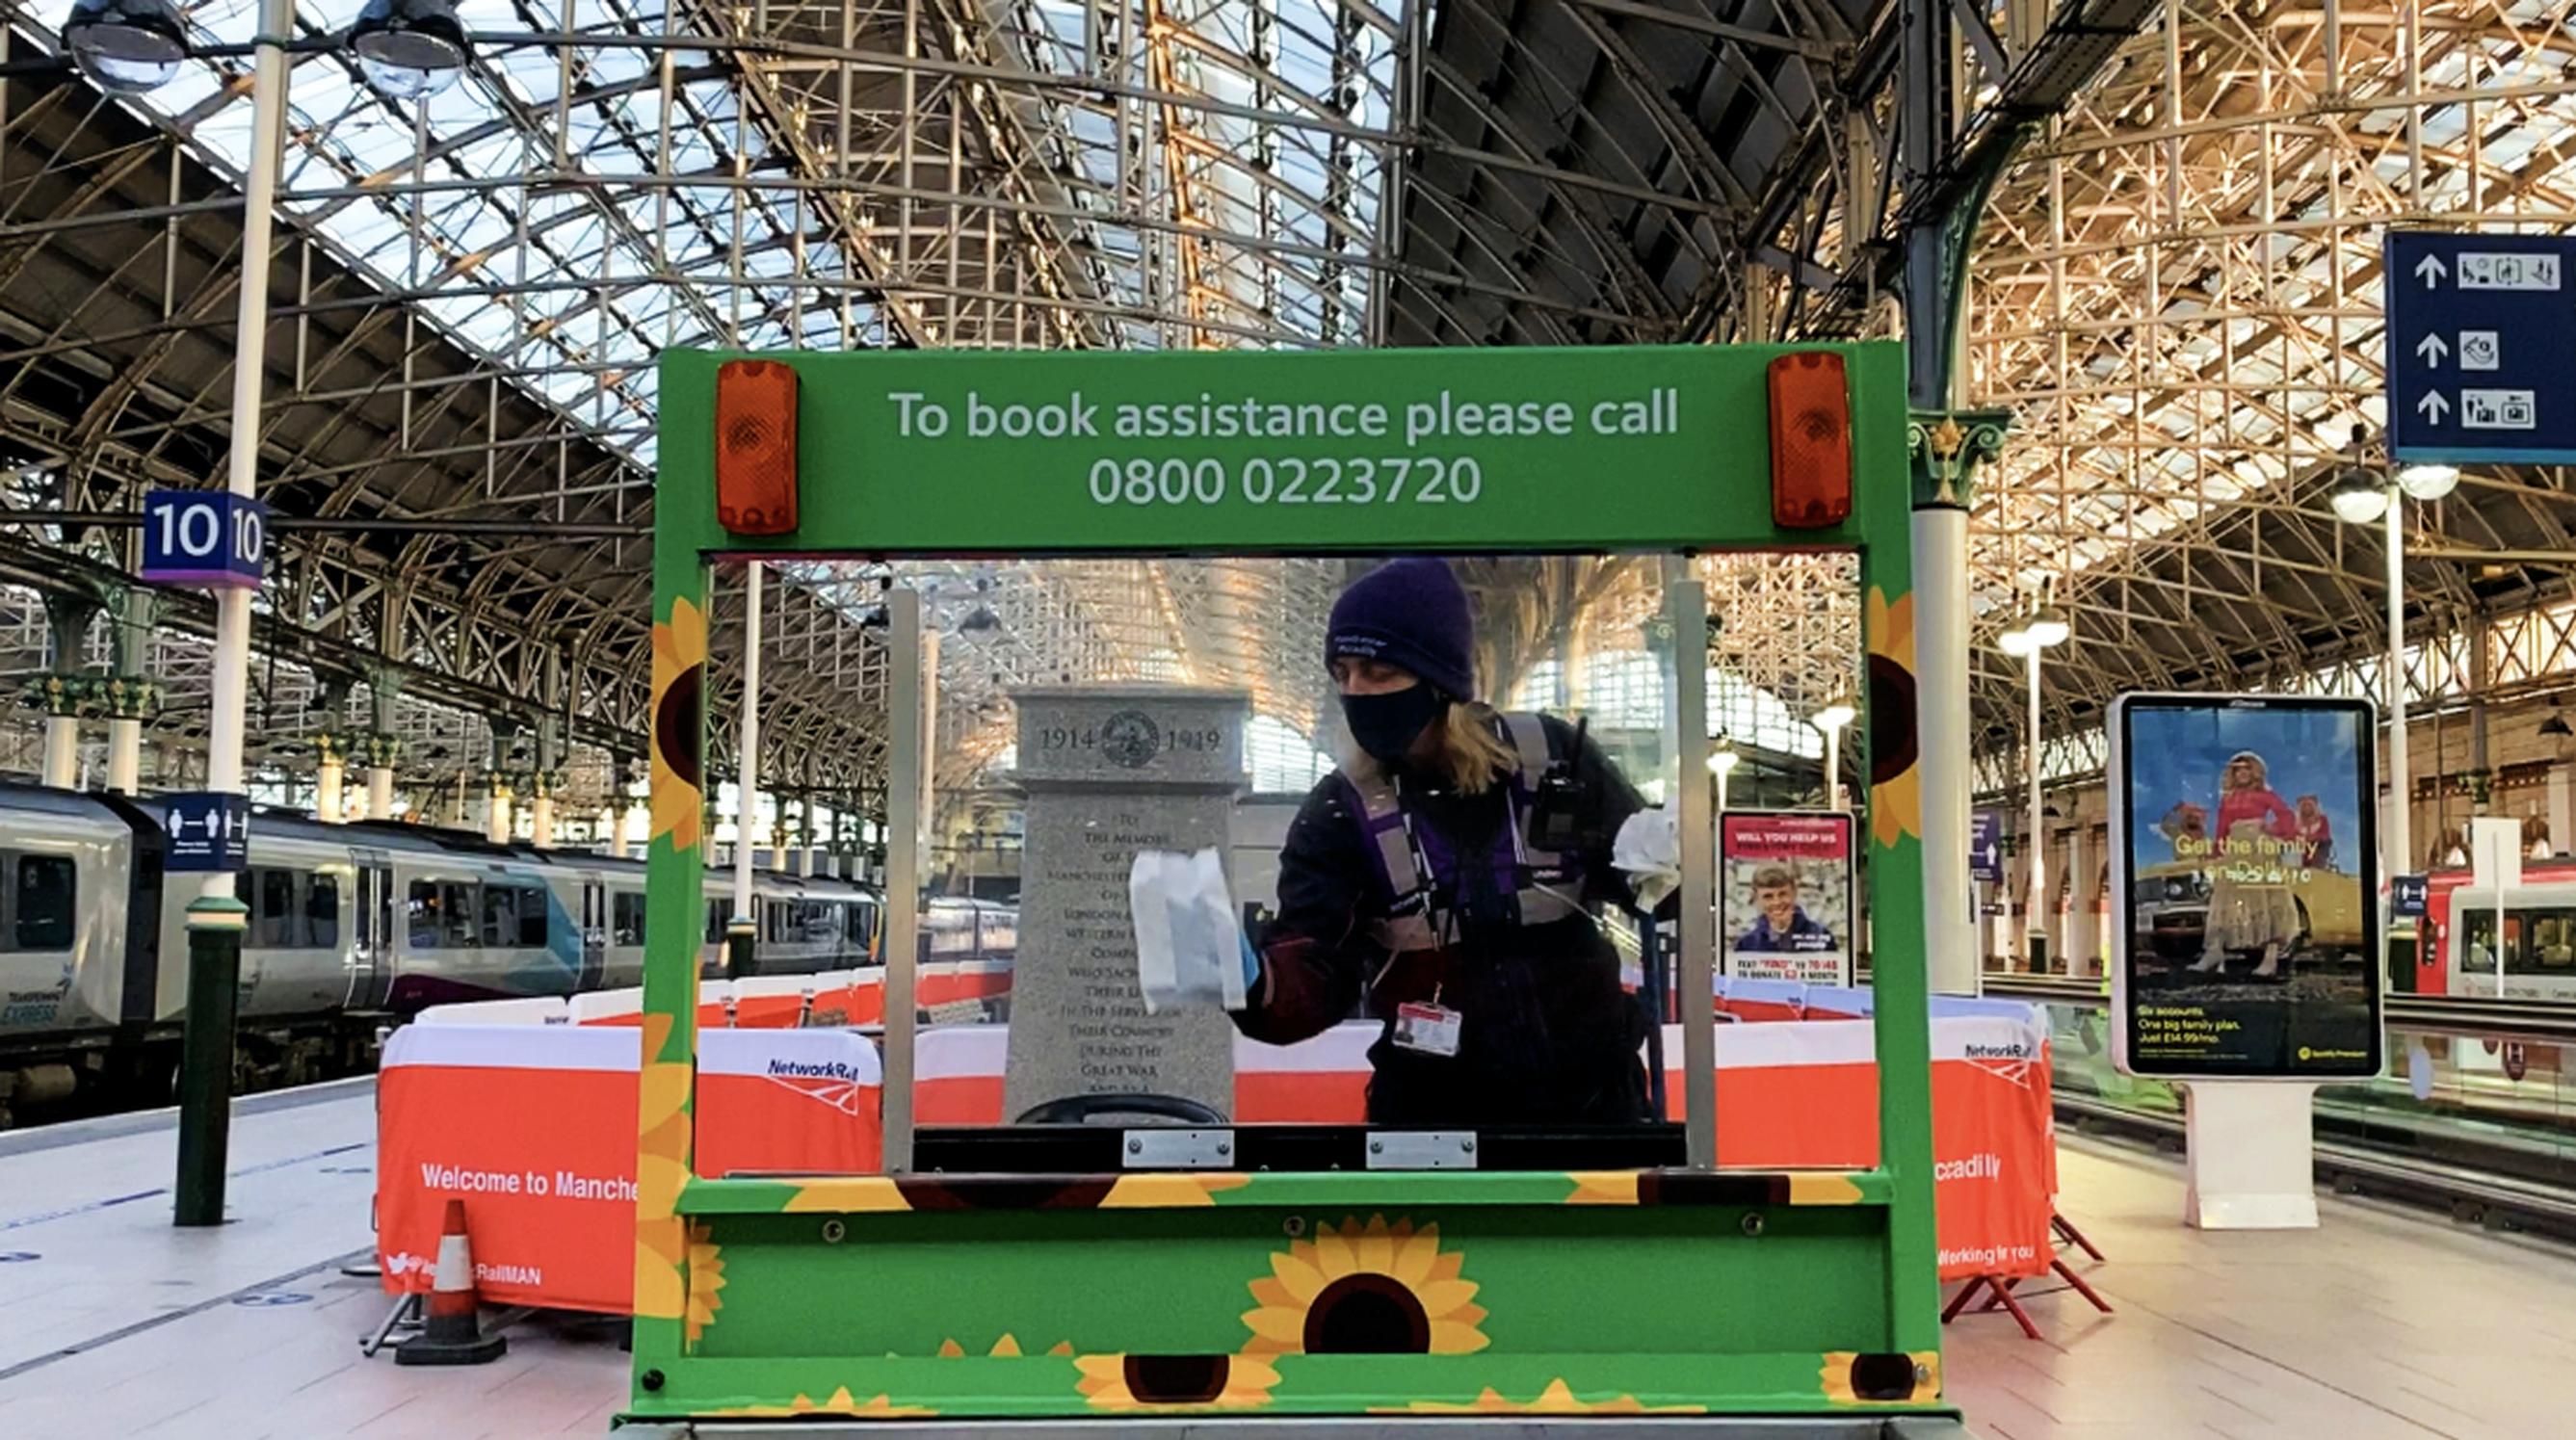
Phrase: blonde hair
[1469,754]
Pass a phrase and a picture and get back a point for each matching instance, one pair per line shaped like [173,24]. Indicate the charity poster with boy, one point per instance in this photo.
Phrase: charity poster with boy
[1785,895]
[2251,887]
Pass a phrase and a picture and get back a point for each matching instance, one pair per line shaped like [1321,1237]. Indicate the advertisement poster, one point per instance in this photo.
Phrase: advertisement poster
[1784,895]
[2245,850]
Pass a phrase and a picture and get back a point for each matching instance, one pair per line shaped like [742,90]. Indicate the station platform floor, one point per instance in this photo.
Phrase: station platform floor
[2382,1323]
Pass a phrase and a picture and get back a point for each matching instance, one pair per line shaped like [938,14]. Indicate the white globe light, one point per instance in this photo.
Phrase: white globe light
[409,49]
[2428,482]
[126,47]
[2048,627]
[2360,503]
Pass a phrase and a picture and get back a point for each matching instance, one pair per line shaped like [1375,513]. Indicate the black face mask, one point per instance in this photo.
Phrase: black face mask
[1387,725]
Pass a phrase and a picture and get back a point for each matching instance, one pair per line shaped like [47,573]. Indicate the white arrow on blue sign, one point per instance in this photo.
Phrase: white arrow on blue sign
[2500,308]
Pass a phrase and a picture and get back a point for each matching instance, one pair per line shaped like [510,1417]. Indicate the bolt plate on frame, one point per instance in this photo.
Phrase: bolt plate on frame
[1162,1147]
[1422,1150]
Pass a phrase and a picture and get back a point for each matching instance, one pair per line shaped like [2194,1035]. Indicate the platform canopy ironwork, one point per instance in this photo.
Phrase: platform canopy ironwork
[2174,289]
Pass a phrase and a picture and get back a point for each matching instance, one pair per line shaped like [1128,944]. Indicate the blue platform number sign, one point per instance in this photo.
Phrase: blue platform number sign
[1986,846]
[2407,895]
[209,833]
[2481,347]
[212,538]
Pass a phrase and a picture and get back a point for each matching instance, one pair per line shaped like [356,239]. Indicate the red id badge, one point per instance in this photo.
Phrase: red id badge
[1426,1029]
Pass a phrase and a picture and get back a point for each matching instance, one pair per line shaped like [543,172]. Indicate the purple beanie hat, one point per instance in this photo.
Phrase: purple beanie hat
[1412,613]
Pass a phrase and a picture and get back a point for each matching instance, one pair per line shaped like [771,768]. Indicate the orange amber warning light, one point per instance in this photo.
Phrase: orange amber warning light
[1811,450]
[756,447]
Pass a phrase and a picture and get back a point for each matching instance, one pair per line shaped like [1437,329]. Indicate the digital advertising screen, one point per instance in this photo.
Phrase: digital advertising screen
[1784,895]
[2245,885]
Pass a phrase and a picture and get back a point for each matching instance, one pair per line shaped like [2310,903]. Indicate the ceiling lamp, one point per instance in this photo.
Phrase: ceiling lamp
[126,47]
[1838,712]
[2038,630]
[1722,757]
[2360,500]
[410,49]
[2428,482]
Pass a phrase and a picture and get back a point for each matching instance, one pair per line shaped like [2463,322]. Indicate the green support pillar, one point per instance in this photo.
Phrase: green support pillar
[215,926]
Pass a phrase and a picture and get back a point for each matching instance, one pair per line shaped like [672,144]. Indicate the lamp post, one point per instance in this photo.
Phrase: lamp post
[2025,639]
[2360,500]
[1838,712]
[1722,760]
[410,48]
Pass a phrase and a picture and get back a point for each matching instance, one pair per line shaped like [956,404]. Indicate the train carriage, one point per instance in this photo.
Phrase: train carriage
[351,927]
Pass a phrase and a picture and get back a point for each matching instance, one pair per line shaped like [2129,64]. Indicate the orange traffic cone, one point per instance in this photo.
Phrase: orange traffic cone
[452,1332]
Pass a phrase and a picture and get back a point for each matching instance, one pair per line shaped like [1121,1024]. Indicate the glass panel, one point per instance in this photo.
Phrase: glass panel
[426,911]
[272,921]
[1419,838]
[322,912]
[46,903]
[629,928]
[532,909]
[500,915]
[457,908]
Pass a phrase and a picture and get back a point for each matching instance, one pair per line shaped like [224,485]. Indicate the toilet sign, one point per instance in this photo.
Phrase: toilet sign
[212,538]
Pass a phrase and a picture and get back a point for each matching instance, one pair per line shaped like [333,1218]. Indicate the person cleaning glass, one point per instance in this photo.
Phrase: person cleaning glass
[1447,874]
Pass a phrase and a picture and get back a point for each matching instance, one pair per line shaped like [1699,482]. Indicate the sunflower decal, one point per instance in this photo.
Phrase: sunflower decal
[841,1402]
[679,676]
[1366,1290]
[1176,1382]
[1895,784]
[661,1169]
[1006,1348]
[1557,1399]
[706,1277]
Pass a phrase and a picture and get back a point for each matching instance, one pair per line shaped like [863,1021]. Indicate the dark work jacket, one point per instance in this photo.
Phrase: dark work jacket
[1546,1034]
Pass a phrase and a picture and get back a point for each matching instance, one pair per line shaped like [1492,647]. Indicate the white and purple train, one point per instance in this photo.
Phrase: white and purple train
[352,927]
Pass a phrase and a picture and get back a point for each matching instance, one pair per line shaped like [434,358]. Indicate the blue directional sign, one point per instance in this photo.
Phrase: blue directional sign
[204,537]
[1986,846]
[2407,895]
[209,833]
[2481,347]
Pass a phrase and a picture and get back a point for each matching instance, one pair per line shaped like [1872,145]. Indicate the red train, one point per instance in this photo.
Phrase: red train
[2456,950]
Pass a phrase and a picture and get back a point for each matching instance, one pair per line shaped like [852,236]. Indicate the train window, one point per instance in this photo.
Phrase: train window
[322,912]
[272,913]
[424,912]
[514,915]
[457,904]
[2553,943]
[716,922]
[532,916]
[44,885]
[628,923]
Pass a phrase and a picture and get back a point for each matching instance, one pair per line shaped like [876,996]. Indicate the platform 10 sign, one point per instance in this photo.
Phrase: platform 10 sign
[204,537]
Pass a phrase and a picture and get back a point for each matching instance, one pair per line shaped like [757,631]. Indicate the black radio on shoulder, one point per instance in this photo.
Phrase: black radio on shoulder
[1557,810]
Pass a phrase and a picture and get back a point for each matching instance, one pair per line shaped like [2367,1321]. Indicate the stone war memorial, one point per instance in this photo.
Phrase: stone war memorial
[1110,771]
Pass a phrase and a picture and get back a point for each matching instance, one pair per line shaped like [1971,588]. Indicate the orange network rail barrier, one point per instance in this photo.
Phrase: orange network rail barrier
[533,1127]
[1789,1096]
[529,1123]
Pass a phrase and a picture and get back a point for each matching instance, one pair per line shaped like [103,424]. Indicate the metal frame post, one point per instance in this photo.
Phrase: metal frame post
[1687,600]
[2037,918]
[216,919]
[910,694]
[2400,844]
